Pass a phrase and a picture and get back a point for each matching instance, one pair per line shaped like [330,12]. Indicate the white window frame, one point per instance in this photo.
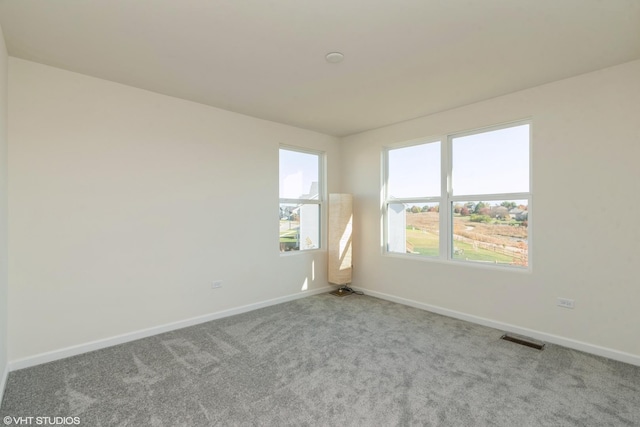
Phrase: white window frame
[447,199]
[318,202]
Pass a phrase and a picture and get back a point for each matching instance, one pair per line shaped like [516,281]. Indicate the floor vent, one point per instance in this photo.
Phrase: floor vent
[523,341]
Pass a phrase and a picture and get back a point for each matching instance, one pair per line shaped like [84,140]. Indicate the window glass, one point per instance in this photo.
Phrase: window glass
[300,200]
[491,232]
[413,228]
[491,162]
[414,171]
[299,227]
[299,175]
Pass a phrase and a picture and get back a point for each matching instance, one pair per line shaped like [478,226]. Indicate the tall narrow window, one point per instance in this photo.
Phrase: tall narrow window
[301,193]
[465,197]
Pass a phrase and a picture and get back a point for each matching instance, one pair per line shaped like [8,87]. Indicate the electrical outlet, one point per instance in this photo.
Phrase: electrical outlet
[565,303]
[217,284]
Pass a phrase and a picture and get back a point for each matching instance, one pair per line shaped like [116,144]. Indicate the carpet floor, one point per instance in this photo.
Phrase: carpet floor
[329,361]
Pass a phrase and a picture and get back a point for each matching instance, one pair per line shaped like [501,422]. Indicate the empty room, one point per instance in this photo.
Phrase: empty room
[332,213]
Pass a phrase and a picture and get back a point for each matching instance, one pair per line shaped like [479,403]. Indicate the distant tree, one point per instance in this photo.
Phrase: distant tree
[500,212]
[479,205]
[415,209]
[425,208]
[434,209]
[456,208]
[508,205]
[464,211]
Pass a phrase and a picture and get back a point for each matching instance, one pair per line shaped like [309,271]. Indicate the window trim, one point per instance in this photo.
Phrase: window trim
[320,201]
[446,199]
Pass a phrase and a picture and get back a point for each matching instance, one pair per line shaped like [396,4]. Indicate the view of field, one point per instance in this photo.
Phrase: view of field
[299,226]
[482,232]
[289,235]
[495,232]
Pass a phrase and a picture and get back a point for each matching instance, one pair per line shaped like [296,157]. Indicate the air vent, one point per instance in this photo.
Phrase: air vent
[523,341]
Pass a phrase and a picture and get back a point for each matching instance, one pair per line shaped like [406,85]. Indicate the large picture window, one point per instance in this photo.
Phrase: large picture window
[301,193]
[464,197]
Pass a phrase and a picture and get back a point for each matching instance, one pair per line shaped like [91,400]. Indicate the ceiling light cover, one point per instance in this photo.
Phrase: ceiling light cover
[334,57]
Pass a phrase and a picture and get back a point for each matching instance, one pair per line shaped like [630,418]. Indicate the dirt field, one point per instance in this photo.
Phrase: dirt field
[497,242]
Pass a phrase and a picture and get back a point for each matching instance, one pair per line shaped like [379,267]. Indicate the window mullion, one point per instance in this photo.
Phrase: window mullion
[301,201]
[489,197]
[445,208]
[415,200]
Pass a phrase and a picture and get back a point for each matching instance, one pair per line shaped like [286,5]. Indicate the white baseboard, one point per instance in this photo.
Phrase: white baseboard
[542,336]
[144,333]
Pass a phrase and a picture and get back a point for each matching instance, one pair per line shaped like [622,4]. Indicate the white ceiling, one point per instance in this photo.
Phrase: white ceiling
[265,58]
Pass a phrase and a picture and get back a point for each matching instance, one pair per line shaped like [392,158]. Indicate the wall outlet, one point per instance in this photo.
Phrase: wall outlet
[217,284]
[565,303]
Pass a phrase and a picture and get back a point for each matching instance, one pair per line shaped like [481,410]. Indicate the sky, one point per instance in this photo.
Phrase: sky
[492,162]
[297,172]
[415,171]
[485,163]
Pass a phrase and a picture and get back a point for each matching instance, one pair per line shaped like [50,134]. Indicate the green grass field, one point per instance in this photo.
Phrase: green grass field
[288,235]
[424,243]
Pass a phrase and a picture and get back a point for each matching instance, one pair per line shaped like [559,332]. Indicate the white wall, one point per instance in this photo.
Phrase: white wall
[586,237]
[3,212]
[125,205]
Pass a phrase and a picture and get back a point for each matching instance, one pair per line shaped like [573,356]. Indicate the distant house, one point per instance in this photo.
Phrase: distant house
[313,192]
[519,214]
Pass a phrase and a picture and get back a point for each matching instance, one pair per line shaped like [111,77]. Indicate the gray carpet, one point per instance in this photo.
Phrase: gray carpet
[330,361]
